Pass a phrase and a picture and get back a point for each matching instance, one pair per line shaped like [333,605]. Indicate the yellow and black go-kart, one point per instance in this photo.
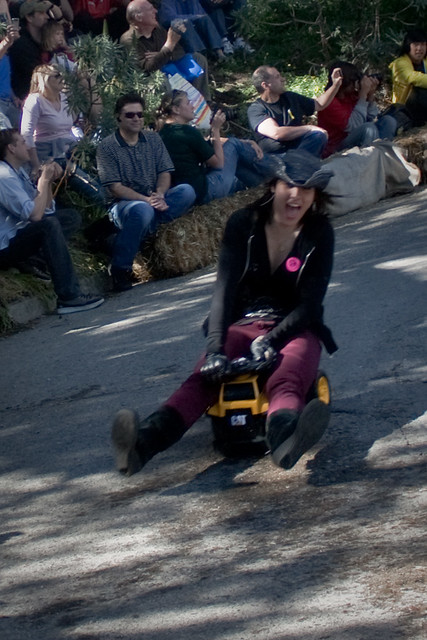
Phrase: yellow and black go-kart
[239,415]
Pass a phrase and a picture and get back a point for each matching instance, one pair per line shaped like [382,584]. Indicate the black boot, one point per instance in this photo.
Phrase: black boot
[122,279]
[290,434]
[136,443]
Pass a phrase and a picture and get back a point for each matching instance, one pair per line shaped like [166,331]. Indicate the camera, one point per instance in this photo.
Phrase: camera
[376,76]
[179,25]
[230,113]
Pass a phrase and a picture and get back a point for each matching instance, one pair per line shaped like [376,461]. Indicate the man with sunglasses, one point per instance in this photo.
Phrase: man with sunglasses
[135,167]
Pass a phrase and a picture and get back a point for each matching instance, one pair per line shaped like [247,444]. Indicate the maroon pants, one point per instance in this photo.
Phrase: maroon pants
[286,387]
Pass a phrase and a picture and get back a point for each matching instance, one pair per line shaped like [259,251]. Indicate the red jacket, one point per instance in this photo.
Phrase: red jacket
[95,8]
[334,120]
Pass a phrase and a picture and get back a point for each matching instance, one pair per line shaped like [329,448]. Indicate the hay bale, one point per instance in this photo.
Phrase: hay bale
[192,241]
[414,145]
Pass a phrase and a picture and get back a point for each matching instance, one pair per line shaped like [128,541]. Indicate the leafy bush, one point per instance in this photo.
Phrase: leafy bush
[106,70]
[308,34]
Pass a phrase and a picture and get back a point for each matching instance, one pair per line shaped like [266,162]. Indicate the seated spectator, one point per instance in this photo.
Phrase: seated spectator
[100,16]
[232,41]
[156,47]
[214,10]
[55,46]
[46,120]
[9,105]
[26,52]
[47,127]
[4,11]
[351,119]
[136,168]
[201,33]
[276,117]
[214,170]
[409,76]
[26,225]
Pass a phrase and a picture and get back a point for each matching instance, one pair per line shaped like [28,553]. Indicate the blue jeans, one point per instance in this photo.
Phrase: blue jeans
[201,35]
[363,136]
[136,219]
[313,141]
[241,170]
[228,10]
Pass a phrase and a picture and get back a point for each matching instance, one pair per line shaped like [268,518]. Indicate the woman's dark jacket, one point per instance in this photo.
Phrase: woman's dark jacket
[295,291]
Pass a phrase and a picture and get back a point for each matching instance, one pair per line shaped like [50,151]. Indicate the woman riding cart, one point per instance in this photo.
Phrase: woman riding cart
[274,267]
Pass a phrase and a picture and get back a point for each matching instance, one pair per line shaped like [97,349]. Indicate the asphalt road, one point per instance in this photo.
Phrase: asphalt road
[196,546]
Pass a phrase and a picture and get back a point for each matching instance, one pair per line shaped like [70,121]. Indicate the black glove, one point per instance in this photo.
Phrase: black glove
[215,367]
[262,351]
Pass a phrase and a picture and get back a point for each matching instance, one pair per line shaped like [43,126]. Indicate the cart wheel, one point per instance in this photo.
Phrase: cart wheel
[323,388]
[320,388]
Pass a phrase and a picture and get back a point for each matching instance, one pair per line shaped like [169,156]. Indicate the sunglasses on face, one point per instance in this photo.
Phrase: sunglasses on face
[132,114]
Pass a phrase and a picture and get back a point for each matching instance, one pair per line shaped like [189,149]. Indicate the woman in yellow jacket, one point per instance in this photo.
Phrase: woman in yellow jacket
[409,75]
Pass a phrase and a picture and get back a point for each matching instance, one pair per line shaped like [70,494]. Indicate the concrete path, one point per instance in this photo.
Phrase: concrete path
[196,546]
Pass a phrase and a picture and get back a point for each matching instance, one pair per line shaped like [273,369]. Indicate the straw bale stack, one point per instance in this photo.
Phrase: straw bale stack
[192,241]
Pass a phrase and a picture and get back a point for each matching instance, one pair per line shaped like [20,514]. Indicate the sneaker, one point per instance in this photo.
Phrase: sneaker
[310,428]
[83,302]
[124,435]
[227,47]
[241,45]
[34,270]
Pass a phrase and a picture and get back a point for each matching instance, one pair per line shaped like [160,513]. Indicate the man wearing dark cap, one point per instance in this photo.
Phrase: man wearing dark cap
[26,53]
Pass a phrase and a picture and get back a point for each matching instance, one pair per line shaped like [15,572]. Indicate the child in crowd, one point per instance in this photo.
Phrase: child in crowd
[55,46]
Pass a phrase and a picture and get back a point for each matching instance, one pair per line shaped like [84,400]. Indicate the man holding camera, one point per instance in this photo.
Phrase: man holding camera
[10,112]
[155,47]
[28,226]
[26,53]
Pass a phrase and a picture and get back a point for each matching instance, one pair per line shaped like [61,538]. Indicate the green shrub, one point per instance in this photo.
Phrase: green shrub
[308,34]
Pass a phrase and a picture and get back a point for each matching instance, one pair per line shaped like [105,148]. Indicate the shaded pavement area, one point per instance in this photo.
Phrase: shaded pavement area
[197,546]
